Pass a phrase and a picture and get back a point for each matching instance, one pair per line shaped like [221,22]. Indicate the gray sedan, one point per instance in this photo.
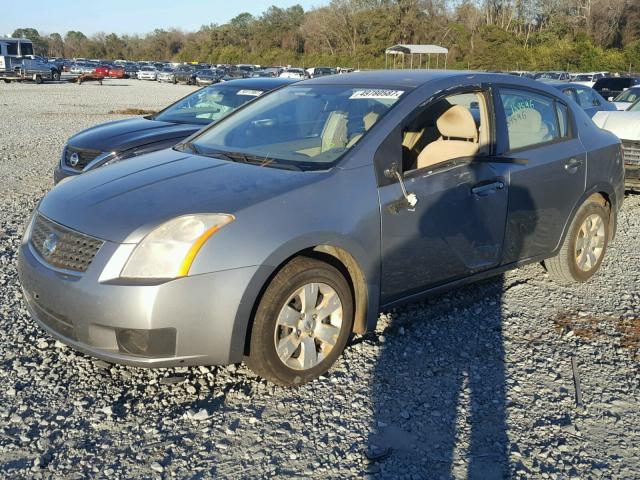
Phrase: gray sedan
[276,233]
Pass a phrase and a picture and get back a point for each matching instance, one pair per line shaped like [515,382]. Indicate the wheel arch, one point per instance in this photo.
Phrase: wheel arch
[365,295]
[607,197]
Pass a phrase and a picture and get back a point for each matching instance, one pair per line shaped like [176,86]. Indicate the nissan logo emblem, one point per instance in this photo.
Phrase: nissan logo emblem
[74,159]
[50,244]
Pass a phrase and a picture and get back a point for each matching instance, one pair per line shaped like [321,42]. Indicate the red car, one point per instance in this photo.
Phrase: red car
[109,71]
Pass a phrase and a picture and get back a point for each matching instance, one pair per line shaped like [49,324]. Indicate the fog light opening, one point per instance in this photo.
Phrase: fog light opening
[160,342]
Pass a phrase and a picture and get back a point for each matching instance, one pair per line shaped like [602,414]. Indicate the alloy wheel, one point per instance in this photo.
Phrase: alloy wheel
[590,242]
[308,326]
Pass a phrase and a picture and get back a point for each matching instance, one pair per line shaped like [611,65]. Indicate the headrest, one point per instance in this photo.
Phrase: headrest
[370,119]
[457,122]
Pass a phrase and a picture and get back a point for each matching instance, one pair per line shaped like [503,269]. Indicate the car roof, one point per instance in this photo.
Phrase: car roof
[261,82]
[560,84]
[410,79]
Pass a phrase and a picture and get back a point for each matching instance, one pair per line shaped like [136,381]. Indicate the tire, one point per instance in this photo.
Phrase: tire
[282,302]
[175,81]
[38,79]
[55,75]
[574,264]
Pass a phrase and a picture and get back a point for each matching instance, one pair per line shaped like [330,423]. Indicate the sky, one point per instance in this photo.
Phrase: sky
[129,16]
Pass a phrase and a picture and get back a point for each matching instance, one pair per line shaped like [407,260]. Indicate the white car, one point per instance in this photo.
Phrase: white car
[147,73]
[588,79]
[627,98]
[293,73]
[626,126]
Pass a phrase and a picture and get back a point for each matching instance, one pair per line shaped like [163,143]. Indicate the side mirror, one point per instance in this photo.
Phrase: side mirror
[610,99]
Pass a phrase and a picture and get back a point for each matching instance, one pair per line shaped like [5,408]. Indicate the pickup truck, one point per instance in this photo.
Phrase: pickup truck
[26,68]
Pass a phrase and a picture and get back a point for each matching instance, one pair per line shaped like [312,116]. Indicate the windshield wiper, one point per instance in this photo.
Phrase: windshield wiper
[191,146]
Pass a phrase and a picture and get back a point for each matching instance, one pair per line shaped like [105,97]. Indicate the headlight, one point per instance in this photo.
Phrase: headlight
[169,250]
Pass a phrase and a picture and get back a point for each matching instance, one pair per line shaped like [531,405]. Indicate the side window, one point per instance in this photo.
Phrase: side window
[563,119]
[531,118]
[456,126]
[585,98]
[12,48]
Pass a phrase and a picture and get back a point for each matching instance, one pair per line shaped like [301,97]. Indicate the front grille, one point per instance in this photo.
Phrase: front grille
[84,157]
[631,152]
[62,247]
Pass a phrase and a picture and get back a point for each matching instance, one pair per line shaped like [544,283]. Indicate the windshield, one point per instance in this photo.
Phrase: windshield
[634,107]
[583,78]
[307,127]
[209,104]
[628,95]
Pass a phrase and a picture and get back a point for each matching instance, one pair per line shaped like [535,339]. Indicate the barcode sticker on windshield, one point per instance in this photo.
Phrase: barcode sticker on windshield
[250,93]
[376,94]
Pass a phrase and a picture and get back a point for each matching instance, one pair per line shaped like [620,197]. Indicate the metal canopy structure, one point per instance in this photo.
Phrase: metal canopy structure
[401,50]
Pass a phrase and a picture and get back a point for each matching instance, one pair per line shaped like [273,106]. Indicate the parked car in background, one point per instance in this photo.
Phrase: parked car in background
[626,126]
[208,77]
[562,76]
[297,73]
[315,72]
[167,74]
[586,97]
[185,74]
[112,71]
[14,68]
[588,79]
[626,98]
[275,234]
[611,87]
[82,68]
[125,139]
[147,73]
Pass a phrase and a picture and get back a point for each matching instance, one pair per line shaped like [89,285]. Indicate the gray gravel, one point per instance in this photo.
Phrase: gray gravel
[475,383]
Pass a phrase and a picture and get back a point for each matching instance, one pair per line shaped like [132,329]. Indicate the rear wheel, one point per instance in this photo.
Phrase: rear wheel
[584,247]
[38,78]
[302,323]
[55,75]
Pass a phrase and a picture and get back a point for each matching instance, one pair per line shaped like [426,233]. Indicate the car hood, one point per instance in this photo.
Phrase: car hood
[621,105]
[123,202]
[122,135]
[625,125]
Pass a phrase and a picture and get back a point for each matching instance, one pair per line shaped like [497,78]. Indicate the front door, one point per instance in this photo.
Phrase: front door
[455,229]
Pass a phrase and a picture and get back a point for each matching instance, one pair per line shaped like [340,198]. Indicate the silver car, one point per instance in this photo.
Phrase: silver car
[274,234]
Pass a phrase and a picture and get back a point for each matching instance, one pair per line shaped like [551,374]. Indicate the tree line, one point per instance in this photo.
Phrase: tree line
[580,35]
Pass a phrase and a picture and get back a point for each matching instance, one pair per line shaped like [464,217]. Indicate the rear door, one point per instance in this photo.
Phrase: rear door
[538,129]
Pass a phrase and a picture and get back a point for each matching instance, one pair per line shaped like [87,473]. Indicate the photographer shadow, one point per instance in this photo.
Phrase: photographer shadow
[439,387]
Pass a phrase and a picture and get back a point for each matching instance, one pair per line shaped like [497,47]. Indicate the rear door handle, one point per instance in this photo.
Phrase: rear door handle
[573,165]
[487,188]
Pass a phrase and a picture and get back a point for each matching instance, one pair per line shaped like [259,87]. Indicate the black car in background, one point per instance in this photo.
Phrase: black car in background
[185,74]
[611,87]
[124,139]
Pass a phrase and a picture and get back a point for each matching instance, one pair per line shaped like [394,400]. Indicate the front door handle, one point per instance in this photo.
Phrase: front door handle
[487,188]
[573,165]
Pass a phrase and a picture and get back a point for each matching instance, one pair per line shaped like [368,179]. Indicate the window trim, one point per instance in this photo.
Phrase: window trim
[570,119]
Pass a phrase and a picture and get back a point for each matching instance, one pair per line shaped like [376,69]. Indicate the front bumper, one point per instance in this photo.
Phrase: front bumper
[200,312]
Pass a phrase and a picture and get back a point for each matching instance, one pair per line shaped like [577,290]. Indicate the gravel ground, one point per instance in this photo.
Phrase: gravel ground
[476,383]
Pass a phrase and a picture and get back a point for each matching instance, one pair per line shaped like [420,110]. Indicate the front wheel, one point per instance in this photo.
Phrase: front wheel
[584,246]
[38,79]
[302,323]
[55,75]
